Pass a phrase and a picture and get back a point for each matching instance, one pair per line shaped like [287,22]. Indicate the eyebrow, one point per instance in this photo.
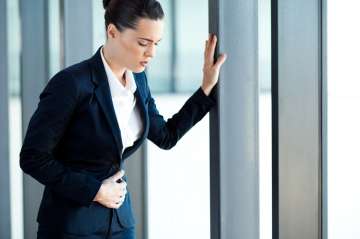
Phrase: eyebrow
[147,39]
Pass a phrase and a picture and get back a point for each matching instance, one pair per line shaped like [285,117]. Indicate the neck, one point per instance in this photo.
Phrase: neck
[111,60]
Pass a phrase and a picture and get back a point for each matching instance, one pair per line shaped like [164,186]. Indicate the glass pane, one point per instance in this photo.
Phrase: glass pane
[191,33]
[15,117]
[178,180]
[343,119]
[265,140]
[55,60]
[177,66]
[99,35]
[160,70]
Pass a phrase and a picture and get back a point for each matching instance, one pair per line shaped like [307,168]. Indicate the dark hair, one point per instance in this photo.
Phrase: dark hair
[126,13]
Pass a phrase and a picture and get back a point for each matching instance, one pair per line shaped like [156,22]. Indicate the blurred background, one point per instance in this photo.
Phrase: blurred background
[39,38]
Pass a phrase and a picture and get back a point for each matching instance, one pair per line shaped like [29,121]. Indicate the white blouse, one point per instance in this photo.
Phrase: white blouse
[127,114]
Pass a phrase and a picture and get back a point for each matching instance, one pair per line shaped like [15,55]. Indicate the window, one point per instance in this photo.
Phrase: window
[179,193]
[343,118]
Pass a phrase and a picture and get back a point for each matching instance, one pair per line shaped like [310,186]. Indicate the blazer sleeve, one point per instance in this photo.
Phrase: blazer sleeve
[165,134]
[45,129]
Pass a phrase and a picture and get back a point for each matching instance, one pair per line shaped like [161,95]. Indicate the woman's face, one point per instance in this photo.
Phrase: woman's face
[134,48]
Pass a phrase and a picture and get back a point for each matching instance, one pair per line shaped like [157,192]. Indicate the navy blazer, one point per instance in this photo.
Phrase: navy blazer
[73,142]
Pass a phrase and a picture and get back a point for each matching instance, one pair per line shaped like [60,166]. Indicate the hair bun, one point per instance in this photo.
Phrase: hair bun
[106,3]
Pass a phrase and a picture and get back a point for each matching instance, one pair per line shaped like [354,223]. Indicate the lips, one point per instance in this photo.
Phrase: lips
[144,63]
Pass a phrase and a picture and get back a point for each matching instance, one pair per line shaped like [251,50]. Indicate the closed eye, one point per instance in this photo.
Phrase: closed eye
[144,41]
[141,44]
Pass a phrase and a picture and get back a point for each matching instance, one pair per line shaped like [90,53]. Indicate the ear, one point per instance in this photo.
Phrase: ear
[111,31]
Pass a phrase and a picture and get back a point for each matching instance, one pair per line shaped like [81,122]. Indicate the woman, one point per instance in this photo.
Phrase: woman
[93,115]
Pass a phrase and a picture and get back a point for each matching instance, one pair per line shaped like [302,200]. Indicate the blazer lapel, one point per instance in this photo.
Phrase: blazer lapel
[140,99]
[144,116]
[103,95]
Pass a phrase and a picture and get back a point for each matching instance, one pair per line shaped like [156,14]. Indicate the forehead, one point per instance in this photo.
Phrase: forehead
[151,29]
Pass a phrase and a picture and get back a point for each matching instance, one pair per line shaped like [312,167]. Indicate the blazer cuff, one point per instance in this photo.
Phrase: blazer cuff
[208,100]
[93,185]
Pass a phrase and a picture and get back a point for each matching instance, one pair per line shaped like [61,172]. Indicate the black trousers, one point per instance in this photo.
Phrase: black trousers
[113,231]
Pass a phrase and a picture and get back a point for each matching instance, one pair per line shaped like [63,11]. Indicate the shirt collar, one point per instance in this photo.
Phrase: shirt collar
[116,86]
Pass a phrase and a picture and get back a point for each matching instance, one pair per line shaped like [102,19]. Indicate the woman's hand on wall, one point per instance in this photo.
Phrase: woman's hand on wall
[112,193]
[211,69]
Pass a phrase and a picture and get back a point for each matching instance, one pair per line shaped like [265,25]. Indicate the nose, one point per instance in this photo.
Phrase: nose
[151,51]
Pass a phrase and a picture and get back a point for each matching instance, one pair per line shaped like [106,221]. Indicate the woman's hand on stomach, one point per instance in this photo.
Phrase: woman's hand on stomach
[112,191]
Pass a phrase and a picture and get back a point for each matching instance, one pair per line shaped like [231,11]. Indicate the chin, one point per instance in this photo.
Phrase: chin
[138,69]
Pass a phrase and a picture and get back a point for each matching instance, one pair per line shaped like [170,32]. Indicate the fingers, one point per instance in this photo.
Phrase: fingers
[121,189]
[207,57]
[207,45]
[114,193]
[118,175]
[220,61]
[210,47]
[116,202]
[119,201]
[122,186]
[116,205]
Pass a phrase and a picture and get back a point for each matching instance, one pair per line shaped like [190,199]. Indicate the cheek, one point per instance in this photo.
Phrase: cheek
[135,55]
[137,51]
[130,50]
